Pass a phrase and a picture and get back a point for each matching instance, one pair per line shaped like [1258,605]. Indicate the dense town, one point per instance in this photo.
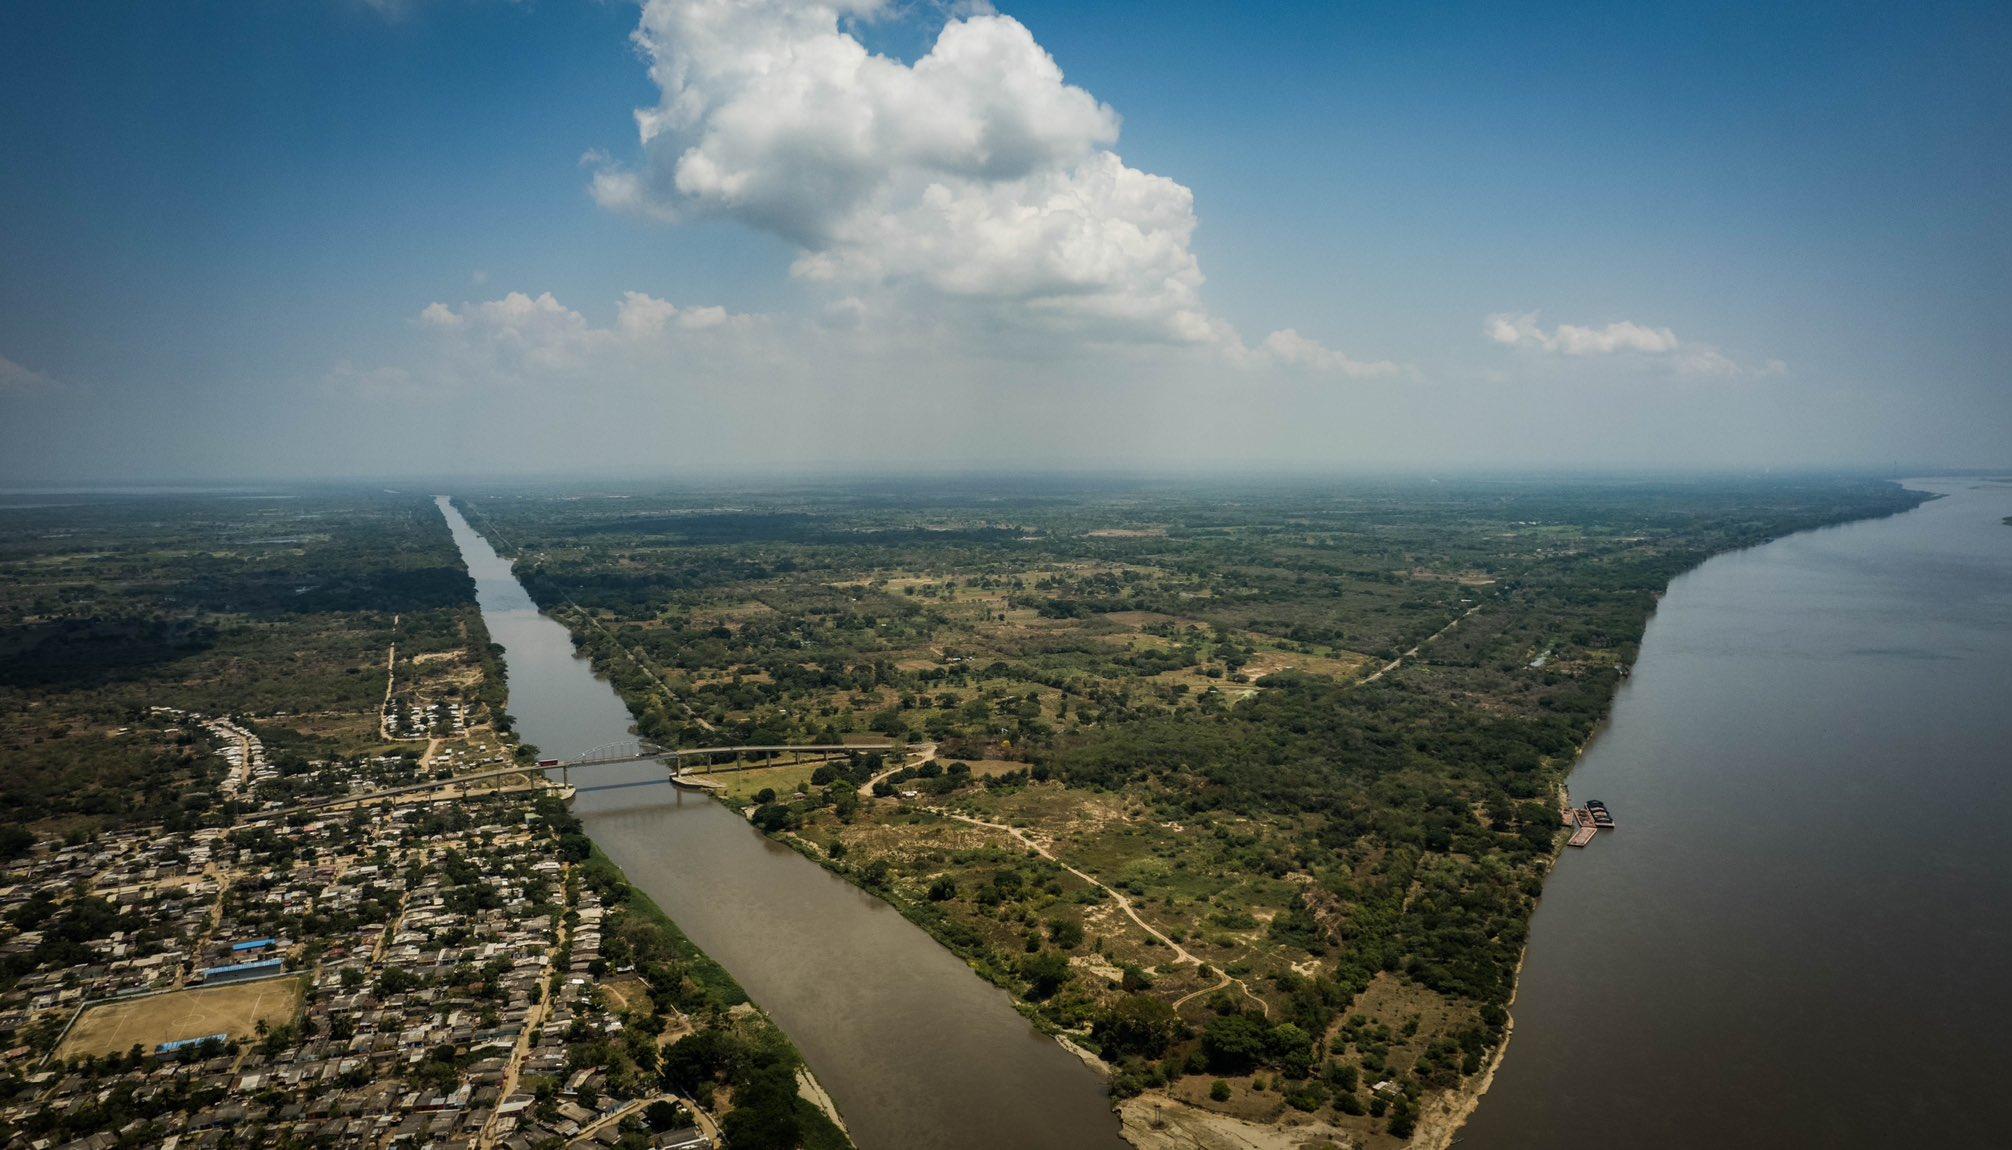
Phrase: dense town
[419,975]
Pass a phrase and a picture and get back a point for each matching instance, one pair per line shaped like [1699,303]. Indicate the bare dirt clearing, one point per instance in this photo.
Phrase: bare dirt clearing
[115,1027]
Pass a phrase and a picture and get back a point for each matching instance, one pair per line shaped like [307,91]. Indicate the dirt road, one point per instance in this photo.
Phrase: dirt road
[1181,954]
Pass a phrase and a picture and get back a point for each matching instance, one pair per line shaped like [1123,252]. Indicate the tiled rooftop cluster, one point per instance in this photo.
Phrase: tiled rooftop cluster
[418,718]
[253,784]
[149,898]
[446,959]
[240,748]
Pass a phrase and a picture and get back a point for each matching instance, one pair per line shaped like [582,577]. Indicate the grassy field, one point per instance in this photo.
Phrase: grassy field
[741,787]
[115,1027]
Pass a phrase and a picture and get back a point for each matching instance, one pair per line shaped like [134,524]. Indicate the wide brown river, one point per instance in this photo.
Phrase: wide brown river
[1801,933]
[916,1050]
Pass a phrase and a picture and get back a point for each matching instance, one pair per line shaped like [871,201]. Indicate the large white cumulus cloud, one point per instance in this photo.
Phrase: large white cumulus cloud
[975,179]
[777,115]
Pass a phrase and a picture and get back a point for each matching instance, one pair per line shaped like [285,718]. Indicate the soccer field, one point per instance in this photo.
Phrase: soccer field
[114,1027]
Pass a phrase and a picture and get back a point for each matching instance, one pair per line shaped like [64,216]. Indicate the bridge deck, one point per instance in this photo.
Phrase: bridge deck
[539,768]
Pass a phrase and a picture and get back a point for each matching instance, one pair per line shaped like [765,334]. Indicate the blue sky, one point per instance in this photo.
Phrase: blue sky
[1751,235]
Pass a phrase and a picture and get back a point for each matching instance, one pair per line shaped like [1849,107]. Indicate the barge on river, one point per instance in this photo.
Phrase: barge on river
[1588,821]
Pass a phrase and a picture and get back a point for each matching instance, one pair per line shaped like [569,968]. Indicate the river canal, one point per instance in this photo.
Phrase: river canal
[916,1050]
[1800,932]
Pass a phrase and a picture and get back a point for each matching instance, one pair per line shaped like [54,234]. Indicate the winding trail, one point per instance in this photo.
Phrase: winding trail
[923,752]
[1181,953]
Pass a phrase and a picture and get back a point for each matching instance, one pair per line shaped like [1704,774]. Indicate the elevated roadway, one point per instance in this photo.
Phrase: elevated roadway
[675,755]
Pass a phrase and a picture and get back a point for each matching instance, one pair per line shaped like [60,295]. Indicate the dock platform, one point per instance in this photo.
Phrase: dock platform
[1586,822]
[1582,835]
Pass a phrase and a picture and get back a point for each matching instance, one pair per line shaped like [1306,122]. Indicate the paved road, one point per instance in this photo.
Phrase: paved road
[502,772]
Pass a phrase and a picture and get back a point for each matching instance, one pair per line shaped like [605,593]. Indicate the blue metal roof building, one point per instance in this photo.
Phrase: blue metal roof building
[185,1043]
[240,971]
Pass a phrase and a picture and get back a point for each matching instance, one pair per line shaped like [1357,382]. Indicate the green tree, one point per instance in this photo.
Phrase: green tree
[662,1115]
[1234,1043]
[1137,1024]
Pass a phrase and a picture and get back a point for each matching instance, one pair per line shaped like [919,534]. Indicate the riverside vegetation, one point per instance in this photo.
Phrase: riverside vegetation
[1248,790]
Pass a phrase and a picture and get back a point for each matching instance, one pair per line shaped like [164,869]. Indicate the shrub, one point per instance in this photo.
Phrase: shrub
[1045,973]
[1403,1122]
[1307,1096]
[1066,933]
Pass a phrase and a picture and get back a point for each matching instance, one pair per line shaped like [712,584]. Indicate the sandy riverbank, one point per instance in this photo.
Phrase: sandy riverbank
[809,1088]
[1157,1122]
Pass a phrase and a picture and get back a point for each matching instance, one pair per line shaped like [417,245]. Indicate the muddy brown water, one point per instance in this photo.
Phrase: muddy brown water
[916,1050]
[1799,935]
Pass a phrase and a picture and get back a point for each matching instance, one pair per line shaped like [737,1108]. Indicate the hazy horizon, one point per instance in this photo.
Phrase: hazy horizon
[382,238]
[993,479]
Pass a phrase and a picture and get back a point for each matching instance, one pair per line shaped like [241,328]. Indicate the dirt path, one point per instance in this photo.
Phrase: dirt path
[521,1049]
[390,680]
[614,1118]
[1191,995]
[1181,954]
[1394,664]
[243,776]
[216,921]
[922,753]
[424,859]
